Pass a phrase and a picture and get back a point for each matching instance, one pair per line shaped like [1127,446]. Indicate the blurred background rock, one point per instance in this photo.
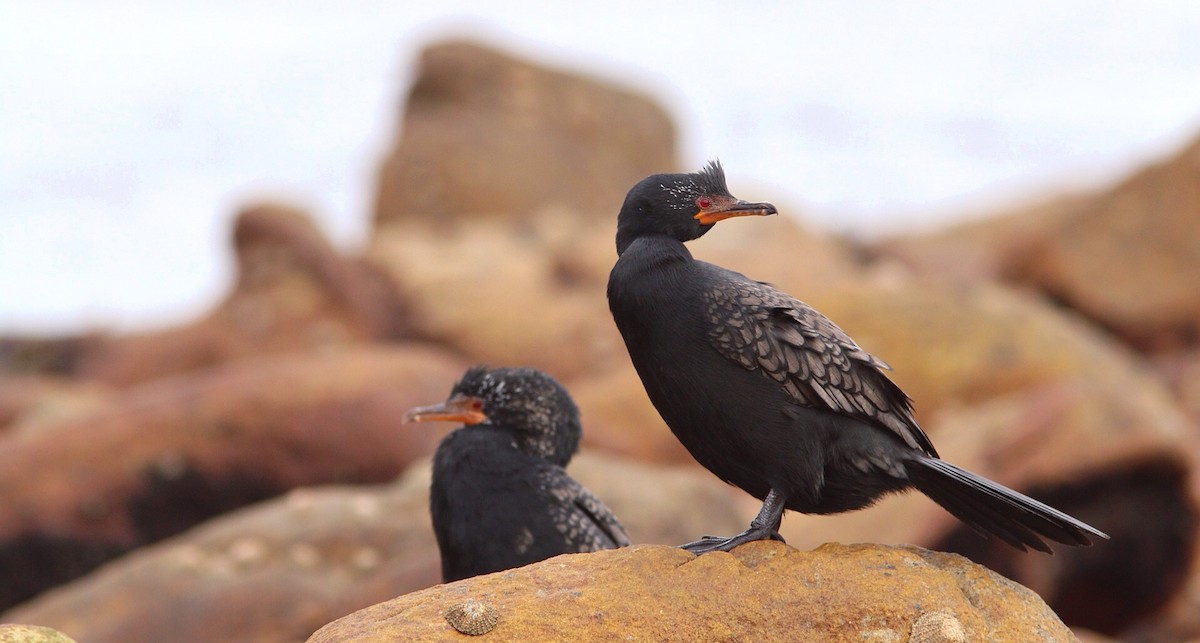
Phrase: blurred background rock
[1053,346]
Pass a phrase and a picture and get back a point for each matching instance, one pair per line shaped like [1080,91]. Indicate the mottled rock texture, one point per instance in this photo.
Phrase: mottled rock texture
[763,591]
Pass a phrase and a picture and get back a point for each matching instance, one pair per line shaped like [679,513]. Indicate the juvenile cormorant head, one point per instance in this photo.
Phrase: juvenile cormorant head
[526,402]
[681,206]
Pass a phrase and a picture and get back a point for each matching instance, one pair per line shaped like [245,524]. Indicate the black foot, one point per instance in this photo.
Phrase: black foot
[716,543]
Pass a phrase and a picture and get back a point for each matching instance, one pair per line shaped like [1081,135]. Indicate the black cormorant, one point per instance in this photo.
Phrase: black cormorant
[768,393]
[500,497]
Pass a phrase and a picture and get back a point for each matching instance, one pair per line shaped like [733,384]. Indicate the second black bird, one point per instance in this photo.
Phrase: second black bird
[768,393]
[500,497]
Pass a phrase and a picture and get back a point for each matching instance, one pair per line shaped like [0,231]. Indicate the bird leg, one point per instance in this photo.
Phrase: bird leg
[765,526]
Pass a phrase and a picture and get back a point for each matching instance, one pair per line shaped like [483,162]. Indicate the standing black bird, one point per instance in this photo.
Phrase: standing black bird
[768,393]
[500,497]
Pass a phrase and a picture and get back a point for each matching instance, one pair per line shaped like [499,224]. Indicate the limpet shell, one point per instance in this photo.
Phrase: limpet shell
[937,627]
[472,617]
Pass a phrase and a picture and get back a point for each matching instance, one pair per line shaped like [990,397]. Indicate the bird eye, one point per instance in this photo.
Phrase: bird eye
[704,203]
[476,405]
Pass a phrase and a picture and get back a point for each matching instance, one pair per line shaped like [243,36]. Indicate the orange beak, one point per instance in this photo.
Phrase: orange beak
[728,209]
[459,408]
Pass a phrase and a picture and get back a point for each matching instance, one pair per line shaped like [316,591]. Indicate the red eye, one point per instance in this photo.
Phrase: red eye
[703,203]
[477,405]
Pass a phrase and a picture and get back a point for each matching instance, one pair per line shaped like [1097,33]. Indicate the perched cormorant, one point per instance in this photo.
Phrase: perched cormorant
[768,393]
[500,497]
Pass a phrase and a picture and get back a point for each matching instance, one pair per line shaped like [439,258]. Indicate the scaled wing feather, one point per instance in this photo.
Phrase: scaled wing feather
[816,362]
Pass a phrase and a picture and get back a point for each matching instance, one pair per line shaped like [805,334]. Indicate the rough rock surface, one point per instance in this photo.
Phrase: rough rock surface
[763,591]
[488,134]
[294,292]
[15,633]
[169,454]
[282,569]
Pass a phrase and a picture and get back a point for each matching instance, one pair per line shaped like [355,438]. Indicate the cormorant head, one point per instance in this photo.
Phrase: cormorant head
[681,206]
[526,402]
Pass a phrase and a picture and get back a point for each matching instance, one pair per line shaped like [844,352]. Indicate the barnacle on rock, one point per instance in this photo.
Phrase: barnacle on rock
[937,627]
[472,617]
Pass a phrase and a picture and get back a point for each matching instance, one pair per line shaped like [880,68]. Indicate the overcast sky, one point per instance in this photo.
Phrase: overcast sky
[130,132]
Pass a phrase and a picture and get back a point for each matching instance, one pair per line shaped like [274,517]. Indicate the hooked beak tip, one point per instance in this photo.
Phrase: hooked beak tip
[737,209]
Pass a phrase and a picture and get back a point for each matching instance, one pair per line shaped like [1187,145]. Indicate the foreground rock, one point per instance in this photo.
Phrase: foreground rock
[11,633]
[763,591]
[280,570]
[166,455]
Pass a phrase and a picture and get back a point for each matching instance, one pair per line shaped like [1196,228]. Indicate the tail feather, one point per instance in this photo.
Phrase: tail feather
[993,508]
[983,520]
[1018,508]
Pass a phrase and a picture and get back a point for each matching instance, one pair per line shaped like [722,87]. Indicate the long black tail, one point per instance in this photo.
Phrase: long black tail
[987,506]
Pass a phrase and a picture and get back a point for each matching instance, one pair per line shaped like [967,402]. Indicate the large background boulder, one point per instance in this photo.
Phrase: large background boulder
[484,133]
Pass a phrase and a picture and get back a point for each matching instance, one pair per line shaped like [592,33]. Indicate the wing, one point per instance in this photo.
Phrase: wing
[583,518]
[816,362]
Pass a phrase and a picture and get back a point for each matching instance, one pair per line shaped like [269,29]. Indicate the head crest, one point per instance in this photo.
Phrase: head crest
[712,178]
